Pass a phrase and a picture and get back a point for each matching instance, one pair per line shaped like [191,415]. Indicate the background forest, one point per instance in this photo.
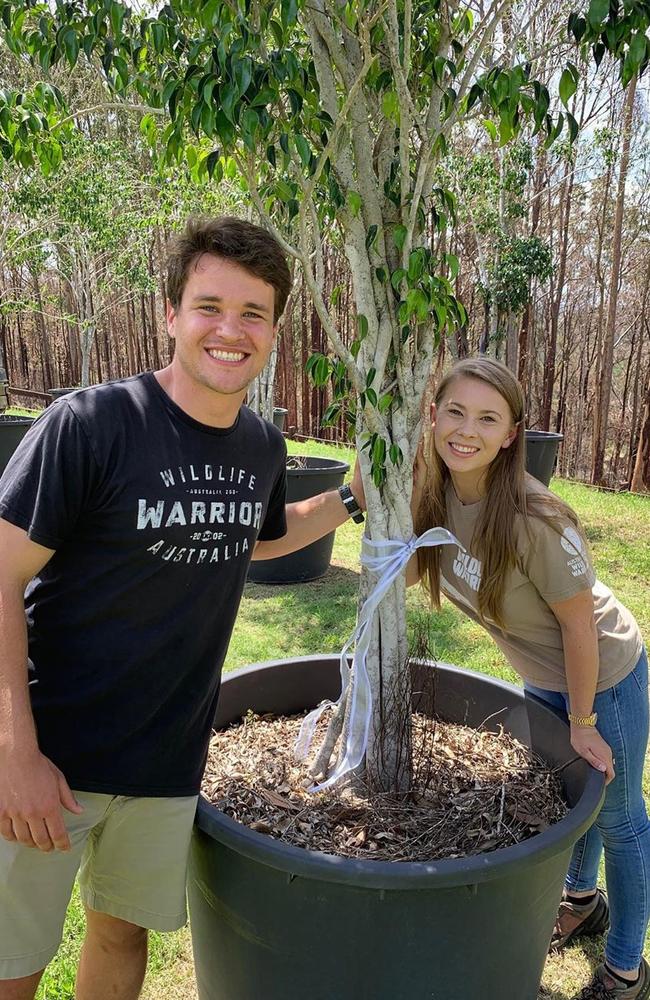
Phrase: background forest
[547,247]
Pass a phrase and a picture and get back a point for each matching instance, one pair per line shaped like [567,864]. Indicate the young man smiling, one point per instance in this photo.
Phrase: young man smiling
[128,518]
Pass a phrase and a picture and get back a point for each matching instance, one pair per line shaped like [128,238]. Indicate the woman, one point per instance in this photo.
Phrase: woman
[526,577]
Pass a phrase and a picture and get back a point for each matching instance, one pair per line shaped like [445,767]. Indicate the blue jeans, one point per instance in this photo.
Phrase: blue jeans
[622,826]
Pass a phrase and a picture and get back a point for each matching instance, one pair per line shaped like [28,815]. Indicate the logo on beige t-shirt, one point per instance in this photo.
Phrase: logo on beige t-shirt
[572,543]
[468,568]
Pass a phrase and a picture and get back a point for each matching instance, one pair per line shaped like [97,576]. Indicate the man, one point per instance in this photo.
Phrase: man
[127,521]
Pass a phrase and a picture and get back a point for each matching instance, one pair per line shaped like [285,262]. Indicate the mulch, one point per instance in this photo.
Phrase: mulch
[473,792]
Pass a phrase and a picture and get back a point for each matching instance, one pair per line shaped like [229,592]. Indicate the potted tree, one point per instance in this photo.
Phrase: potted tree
[275,920]
[337,116]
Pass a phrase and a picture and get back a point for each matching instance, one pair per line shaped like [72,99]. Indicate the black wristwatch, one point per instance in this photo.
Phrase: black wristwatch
[351,505]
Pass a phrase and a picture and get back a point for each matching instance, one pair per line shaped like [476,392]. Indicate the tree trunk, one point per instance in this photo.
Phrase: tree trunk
[604,388]
[548,381]
[641,475]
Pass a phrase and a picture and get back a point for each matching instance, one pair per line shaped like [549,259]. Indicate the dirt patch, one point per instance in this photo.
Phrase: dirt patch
[474,792]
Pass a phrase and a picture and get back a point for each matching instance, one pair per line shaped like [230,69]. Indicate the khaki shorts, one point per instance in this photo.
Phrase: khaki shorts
[131,855]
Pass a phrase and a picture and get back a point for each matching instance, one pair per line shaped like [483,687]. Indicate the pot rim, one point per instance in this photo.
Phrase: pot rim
[531,434]
[404,875]
[334,465]
[14,420]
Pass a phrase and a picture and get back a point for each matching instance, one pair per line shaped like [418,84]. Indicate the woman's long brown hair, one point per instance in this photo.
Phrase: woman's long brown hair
[509,492]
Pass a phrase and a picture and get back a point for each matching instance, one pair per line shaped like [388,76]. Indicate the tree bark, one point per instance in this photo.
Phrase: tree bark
[604,389]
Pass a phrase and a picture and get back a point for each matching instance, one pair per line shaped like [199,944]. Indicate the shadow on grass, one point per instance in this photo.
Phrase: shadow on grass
[336,577]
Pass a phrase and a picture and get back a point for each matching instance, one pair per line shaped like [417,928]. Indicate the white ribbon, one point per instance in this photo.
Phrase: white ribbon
[385,560]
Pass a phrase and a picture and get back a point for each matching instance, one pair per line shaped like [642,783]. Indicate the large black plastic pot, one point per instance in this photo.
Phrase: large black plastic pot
[274,922]
[541,453]
[279,416]
[314,476]
[62,391]
[12,431]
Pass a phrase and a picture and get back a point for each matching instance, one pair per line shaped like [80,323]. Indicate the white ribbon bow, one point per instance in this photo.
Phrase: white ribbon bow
[385,560]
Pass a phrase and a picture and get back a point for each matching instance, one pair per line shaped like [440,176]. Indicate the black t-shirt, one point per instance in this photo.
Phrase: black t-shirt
[154,518]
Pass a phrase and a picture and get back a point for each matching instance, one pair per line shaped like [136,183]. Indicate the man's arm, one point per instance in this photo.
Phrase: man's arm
[308,520]
[32,789]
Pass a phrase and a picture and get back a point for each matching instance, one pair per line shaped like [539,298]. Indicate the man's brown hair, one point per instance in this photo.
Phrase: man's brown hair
[233,239]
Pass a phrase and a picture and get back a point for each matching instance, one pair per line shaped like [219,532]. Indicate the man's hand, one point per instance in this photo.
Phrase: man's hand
[587,741]
[32,793]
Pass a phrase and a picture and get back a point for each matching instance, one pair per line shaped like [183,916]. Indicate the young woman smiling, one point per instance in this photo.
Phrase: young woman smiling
[526,577]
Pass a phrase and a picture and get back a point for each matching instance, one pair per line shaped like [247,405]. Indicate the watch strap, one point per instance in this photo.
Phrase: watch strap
[350,504]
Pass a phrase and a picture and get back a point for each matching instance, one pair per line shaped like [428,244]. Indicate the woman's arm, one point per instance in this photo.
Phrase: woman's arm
[580,642]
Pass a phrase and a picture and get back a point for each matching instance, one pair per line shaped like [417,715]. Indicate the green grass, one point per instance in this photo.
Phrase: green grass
[18,411]
[277,621]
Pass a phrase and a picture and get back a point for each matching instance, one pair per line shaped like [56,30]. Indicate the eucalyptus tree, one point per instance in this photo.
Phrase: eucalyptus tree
[89,229]
[337,115]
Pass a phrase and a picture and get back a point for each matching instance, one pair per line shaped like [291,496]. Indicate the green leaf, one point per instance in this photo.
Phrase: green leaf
[117,18]
[453,265]
[418,304]
[211,161]
[598,11]
[639,47]
[573,127]
[490,128]
[378,450]
[243,74]
[362,325]
[371,236]
[385,402]
[395,454]
[278,35]
[336,294]
[289,13]
[390,105]
[149,129]
[416,265]
[371,396]
[71,45]
[475,94]
[354,203]
[568,86]
[628,70]
[332,414]
[158,36]
[397,277]
[506,125]
[399,236]
[304,152]
[370,377]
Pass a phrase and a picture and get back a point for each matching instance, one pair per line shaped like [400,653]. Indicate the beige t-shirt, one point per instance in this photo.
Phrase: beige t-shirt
[551,567]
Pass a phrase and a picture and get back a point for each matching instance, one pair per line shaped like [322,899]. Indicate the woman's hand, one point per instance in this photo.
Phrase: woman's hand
[587,741]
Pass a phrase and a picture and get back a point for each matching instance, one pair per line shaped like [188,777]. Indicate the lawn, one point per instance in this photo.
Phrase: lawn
[319,616]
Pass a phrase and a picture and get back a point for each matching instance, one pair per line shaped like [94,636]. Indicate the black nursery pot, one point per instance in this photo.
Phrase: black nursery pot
[279,416]
[315,476]
[541,453]
[12,431]
[274,922]
[61,391]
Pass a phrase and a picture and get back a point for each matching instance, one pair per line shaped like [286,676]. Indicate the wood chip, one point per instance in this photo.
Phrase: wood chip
[473,792]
